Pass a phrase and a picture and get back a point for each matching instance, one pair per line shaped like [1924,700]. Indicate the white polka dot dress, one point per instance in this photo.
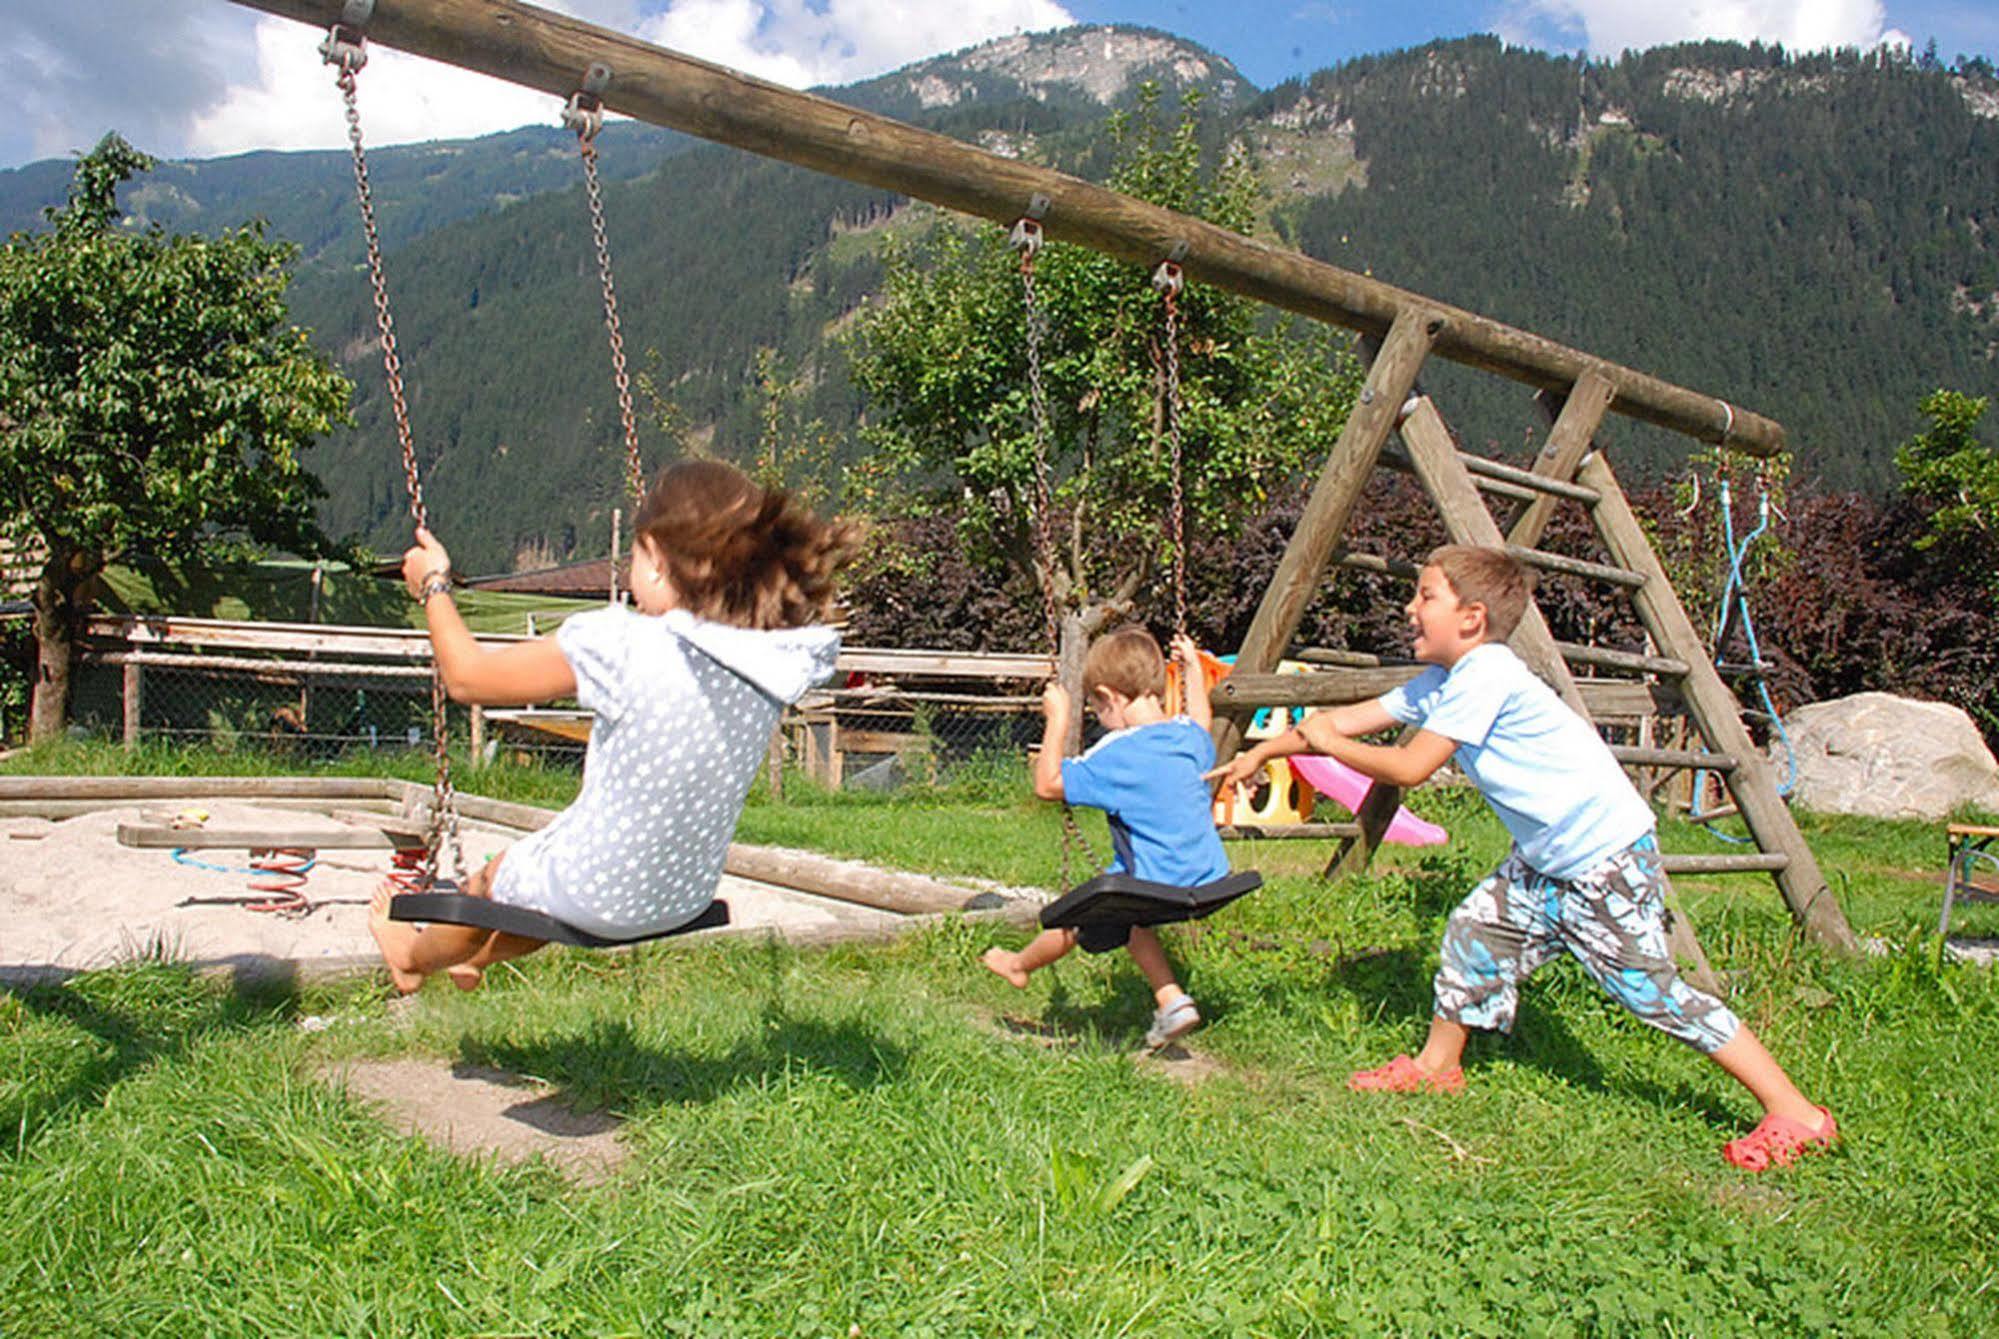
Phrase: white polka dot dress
[685,710]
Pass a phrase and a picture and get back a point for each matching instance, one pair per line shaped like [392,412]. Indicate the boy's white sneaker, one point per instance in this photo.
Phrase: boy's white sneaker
[1172,1021]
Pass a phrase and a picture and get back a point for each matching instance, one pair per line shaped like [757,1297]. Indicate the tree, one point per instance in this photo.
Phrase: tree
[152,399]
[942,359]
[1949,469]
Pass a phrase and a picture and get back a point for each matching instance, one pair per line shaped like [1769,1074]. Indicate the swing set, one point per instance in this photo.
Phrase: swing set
[1400,330]
[1112,898]
[422,894]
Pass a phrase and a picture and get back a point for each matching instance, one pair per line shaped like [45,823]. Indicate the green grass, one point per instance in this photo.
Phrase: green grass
[856,1138]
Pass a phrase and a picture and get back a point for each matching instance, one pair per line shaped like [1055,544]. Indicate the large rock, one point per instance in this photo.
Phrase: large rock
[1881,756]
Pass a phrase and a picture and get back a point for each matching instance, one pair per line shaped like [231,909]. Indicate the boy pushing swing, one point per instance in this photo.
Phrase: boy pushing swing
[1584,875]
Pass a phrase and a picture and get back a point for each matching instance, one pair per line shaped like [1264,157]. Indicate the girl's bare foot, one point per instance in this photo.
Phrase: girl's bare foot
[394,938]
[1006,966]
[465,976]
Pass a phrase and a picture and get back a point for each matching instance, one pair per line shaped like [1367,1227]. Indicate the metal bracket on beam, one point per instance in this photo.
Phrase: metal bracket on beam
[346,43]
[584,112]
[1027,236]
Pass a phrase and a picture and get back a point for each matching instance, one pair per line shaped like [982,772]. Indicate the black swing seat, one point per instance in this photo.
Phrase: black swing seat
[485,914]
[1121,899]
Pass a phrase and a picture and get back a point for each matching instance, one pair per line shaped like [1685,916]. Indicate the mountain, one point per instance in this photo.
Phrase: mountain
[1813,237]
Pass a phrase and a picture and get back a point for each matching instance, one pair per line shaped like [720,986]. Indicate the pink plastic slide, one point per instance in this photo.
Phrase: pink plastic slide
[1335,779]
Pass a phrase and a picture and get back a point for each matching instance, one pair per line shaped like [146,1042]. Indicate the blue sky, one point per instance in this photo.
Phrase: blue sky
[202,78]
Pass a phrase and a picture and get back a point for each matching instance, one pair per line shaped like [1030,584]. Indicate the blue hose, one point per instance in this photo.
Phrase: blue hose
[1735,596]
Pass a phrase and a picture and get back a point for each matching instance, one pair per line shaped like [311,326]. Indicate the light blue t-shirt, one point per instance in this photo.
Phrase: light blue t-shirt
[1147,779]
[684,712]
[1544,769]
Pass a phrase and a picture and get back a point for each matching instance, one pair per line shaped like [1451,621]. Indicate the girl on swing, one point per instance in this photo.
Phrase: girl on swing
[732,583]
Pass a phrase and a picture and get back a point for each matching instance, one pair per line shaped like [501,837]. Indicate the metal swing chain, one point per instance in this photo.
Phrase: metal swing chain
[1169,280]
[346,49]
[585,115]
[1027,239]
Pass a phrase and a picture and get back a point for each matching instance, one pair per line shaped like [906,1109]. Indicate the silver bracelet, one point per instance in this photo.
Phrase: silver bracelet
[434,583]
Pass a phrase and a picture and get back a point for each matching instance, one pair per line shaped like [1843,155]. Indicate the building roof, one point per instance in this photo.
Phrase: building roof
[580,580]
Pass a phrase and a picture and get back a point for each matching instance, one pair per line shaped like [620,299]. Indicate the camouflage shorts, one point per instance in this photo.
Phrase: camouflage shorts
[1613,919]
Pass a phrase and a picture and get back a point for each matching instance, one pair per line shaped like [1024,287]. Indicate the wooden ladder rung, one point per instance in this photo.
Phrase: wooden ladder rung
[1633,756]
[1604,657]
[1578,567]
[1396,458]
[1527,479]
[1505,480]
[1763,862]
[1278,832]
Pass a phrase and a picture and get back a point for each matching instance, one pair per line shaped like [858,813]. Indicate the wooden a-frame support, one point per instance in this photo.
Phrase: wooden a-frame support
[1565,467]
[555,53]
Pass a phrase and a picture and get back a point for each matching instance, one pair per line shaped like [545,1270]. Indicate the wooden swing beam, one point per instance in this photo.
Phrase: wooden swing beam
[552,52]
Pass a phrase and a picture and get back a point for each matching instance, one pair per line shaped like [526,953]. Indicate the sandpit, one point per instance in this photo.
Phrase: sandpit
[75,897]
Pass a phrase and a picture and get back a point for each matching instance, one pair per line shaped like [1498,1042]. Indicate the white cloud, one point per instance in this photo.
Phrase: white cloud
[291,102]
[805,42]
[226,80]
[1608,27]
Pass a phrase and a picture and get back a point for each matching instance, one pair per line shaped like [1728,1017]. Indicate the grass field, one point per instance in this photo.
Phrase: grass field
[890,1141]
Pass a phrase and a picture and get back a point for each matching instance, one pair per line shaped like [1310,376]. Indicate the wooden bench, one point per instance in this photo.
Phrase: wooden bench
[1969,844]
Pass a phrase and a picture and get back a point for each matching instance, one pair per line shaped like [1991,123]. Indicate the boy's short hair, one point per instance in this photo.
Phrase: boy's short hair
[1488,576]
[1127,661]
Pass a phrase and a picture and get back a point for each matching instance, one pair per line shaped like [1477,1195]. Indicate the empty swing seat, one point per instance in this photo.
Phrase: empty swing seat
[485,914]
[1121,899]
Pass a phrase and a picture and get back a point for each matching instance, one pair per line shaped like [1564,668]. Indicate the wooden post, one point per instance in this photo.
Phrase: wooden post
[774,764]
[1467,521]
[134,702]
[551,52]
[1716,713]
[1568,442]
[616,515]
[1331,505]
[477,740]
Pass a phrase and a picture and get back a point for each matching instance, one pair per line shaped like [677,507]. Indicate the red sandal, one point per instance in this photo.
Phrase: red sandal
[1778,1141]
[1400,1075]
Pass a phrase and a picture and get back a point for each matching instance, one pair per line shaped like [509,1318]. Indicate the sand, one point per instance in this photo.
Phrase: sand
[72,898]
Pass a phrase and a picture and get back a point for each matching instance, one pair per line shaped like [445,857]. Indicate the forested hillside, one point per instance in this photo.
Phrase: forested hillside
[1816,238]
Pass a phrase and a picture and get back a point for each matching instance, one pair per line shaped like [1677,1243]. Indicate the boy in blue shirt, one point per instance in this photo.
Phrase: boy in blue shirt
[1146,776]
[1584,874]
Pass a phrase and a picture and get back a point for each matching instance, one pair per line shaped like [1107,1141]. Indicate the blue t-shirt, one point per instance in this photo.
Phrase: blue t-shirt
[1147,779]
[1544,770]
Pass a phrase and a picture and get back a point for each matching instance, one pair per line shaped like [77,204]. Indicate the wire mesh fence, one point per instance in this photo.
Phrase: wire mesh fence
[869,730]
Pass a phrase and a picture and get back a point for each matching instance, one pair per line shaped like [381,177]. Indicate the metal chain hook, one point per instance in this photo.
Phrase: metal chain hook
[1170,280]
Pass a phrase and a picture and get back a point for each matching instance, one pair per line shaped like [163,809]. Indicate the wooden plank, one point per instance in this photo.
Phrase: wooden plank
[851,881]
[132,701]
[1337,686]
[1761,862]
[1324,521]
[549,51]
[287,670]
[1467,521]
[1285,832]
[264,838]
[1714,710]
[144,632]
[107,790]
[1632,755]
[58,810]
[1568,442]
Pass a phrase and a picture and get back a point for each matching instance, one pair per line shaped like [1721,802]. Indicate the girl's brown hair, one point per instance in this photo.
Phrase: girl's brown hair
[739,553]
